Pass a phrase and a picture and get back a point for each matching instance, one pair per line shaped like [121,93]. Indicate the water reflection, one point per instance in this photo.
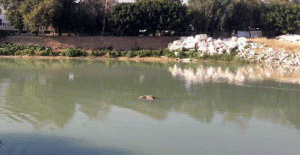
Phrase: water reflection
[240,75]
[52,94]
[48,95]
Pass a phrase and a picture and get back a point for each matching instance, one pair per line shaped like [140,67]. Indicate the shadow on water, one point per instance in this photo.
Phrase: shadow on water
[34,144]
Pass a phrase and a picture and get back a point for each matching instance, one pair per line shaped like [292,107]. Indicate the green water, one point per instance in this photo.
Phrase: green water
[92,107]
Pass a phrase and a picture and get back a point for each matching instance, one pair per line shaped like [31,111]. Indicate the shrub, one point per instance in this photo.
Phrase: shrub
[120,53]
[168,53]
[4,51]
[182,54]
[99,52]
[46,52]
[72,52]
[28,52]
[131,54]
[39,47]
[111,54]
[157,53]
[193,54]
[144,53]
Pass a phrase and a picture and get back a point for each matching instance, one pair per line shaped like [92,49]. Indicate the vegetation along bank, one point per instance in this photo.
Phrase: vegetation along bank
[9,49]
[280,51]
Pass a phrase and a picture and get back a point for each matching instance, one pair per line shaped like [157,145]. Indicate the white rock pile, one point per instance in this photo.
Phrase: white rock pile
[205,44]
[289,38]
[278,57]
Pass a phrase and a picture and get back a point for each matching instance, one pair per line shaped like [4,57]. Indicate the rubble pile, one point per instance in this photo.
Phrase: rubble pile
[245,50]
[289,38]
[270,55]
[205,44]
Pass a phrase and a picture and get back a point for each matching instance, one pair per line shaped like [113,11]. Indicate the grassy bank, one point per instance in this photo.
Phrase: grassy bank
[8,49]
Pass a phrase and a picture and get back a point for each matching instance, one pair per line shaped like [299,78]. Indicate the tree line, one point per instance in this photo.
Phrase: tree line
[213,17]
[274,17]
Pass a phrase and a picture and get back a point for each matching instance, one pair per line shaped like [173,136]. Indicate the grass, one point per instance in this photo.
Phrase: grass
[276,44]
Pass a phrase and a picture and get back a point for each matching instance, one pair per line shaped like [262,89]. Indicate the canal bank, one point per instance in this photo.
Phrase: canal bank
[185,49]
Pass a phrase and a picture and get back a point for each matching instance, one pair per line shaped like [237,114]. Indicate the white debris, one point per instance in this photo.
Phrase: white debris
[208,45]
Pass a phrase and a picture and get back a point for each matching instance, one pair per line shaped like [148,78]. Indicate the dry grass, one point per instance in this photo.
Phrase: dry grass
[276,44]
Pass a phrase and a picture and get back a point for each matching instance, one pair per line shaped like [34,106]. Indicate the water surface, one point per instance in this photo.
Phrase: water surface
[92,107]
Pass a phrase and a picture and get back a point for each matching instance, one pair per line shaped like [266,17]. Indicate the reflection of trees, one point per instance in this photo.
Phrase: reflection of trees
[95,109]
[200,111]
[29,102]
[46,95]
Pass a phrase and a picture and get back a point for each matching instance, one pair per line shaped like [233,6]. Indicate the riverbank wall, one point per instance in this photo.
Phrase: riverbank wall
[92,43]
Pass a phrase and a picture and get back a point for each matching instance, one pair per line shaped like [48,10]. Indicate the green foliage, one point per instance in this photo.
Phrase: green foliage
[72,52]
[111,54]
[131,54]
[20,49]
[150,15]
[46,52]
[14,16]
[99,52]
[38,14]
[193,54]
[144,53]
[28,52]
[121,53]
[157,53]
[218,57]
[67,16]
[215,16]
[5,51]
[282,18]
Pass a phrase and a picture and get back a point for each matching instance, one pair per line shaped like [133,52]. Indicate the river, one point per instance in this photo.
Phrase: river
[92,107]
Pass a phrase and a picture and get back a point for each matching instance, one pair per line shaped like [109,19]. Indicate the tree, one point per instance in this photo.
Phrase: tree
[38,14]
[14,16]
[32,14]
[151,16]
[64,18]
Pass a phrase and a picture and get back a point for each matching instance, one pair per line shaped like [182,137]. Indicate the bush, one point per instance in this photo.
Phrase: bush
[39,47]
[72,52]
[157,53]
[4,51]
[46,52]
[131,54]
[121,53]
[20,49]
[144,53]
[193,54]
[168,53]
[28,52]
[111,54]
[99,52]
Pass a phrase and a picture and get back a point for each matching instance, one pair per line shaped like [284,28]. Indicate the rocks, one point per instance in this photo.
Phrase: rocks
[289,38]
[272,56]
[205,44]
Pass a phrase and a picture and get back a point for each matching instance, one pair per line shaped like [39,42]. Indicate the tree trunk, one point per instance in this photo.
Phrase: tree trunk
[104,17]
